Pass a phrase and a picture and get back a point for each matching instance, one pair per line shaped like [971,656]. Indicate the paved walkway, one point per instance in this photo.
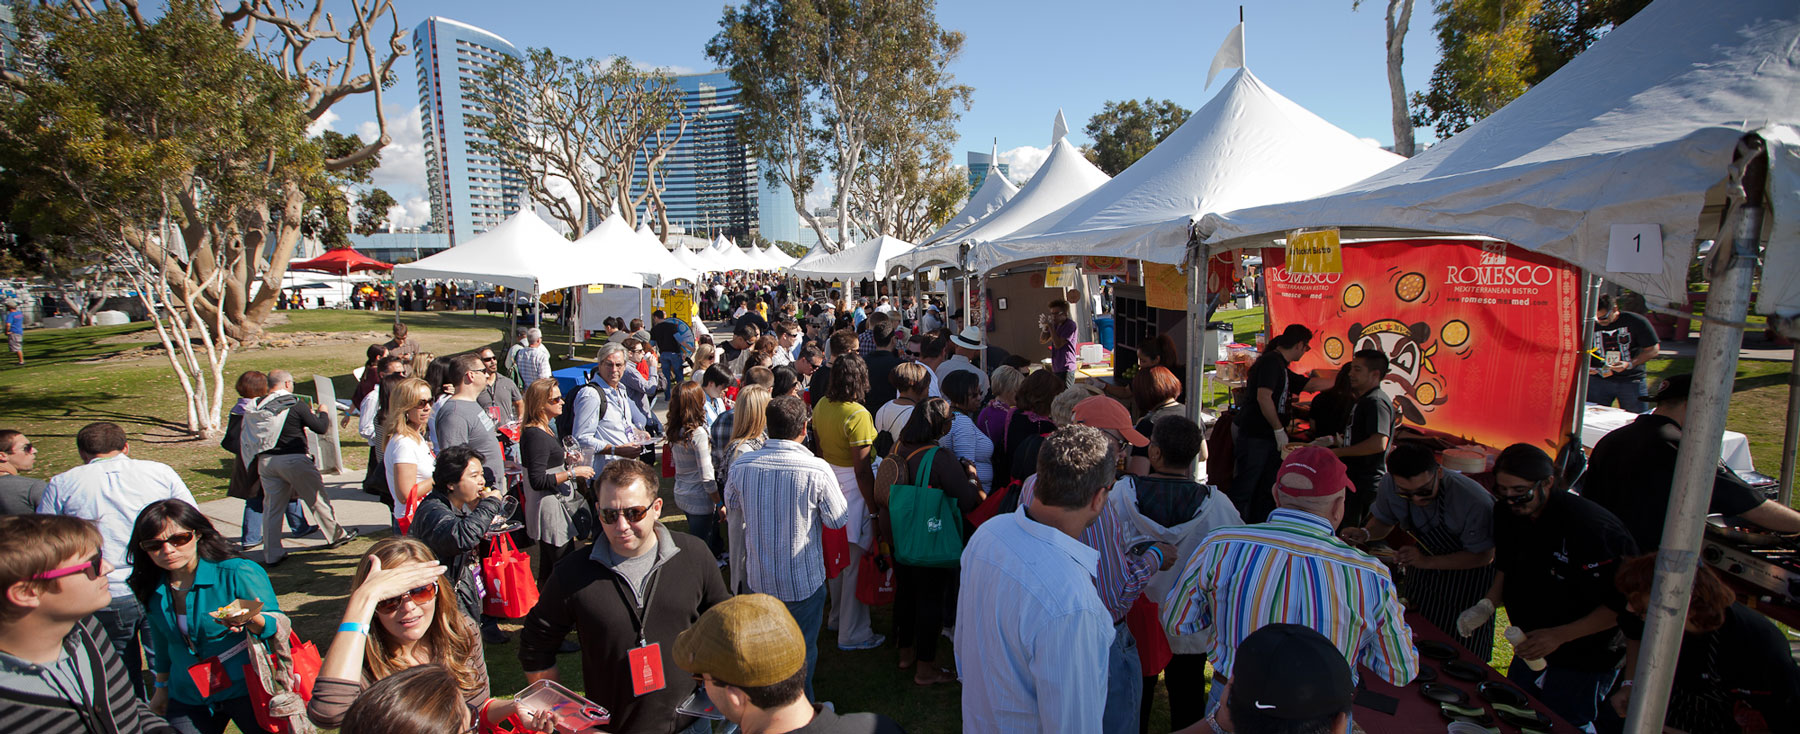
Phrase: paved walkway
[354,507]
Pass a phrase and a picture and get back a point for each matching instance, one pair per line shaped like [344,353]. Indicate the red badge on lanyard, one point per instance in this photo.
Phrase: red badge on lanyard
[646,669]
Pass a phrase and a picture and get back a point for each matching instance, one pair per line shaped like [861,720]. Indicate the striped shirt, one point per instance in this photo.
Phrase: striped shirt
[1291,570]
[1120,577]
[784,495]
[968,442]
[533,364]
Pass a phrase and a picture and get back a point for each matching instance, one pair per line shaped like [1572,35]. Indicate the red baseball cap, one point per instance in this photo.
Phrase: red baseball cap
[1323,469]
[1100,411]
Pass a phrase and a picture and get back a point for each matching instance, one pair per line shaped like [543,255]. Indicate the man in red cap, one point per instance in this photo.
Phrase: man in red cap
[1292,569]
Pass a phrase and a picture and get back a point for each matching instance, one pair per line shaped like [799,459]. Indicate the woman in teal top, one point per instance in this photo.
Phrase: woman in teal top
[192,572]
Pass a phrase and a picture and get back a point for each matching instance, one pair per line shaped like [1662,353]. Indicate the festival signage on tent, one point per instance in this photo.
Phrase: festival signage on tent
[1467,328]
[1165,287]
[1060,276]
[1222,273]
[1104,265]
[1314,252]
[1635,248]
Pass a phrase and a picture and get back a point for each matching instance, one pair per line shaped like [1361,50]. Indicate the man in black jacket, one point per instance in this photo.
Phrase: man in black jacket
[287,469]
[626,601]
[53,580]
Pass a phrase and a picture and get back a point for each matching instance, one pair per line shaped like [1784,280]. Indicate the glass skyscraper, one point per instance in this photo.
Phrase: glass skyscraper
[713,182]
[470,192]
[979,165]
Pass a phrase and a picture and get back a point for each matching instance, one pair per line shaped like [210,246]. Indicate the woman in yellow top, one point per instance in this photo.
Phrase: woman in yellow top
[846,434]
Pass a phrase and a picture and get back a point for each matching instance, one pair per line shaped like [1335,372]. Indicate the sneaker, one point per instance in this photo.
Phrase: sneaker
[349,535]
[869,644]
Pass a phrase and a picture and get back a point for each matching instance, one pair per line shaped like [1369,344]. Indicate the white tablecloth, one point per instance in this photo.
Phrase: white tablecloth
[1734,448]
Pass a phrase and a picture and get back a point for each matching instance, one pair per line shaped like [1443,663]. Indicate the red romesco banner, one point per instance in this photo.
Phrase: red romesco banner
[1481,337]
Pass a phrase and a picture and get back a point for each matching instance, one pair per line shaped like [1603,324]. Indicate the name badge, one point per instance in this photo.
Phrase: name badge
[646,669]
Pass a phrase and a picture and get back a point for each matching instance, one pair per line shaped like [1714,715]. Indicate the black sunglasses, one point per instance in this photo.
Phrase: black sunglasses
[632,514]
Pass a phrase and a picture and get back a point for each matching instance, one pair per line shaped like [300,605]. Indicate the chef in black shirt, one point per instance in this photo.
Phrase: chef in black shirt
[1624,342]
[1555,554]
[1363,446]
[1261,426]
[1632,470]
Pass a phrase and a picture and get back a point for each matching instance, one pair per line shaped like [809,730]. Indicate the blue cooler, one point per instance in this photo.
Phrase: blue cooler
[1103,331]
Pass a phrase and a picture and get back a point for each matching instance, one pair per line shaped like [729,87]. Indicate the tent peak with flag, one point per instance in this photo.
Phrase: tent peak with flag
[995,191]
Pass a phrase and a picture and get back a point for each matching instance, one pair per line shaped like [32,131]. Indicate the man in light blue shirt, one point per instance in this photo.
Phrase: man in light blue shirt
[615,433]
[110,489]
[1033,656]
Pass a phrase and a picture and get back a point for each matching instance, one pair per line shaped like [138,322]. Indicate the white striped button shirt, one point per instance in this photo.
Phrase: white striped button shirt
[784,495]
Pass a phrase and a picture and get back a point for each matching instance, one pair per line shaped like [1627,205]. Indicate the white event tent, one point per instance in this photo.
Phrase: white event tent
[691,259]
[995,191]
[1065,176]
[725,255]
[523,253]
[867,259]
[636,251]
[1660,124]
[1247,145]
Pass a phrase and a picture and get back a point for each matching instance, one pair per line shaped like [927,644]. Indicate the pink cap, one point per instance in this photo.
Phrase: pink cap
[1323,469]
[1100,411]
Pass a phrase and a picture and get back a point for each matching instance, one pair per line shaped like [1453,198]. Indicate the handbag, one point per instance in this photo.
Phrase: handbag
[280,678]
[927,526]
[836,542]
[668,461]
[874,583]
[1145,624]
[506,573]
[413,497]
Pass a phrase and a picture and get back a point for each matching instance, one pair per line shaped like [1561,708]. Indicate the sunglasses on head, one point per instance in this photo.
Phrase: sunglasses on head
[632,514]
[418,595]
[91,567]
[179,539]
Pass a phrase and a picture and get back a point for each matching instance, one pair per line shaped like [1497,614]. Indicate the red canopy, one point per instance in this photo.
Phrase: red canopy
[340,262]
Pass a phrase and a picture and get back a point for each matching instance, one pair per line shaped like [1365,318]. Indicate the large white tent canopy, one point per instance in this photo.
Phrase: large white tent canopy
[523,253]
[867,259]
[635,251]
[995,191]
[1639,129]
[725,255]
[1065,176]
[1248,145]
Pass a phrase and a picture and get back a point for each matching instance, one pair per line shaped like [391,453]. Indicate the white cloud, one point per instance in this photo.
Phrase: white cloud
[322,124]
[1023,162]
[823,195]
[402,169]
[414,212]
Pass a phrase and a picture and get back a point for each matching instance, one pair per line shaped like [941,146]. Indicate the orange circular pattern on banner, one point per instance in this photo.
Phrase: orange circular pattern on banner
[1426,394]
[1454,333]
[1410,287]
[1353,297]
[1334,349]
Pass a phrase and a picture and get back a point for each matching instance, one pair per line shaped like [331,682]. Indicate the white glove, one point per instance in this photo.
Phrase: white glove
[1281,439]
[1472,618]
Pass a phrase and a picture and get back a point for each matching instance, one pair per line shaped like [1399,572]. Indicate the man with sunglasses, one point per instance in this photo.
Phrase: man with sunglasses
[58,675]
[19,495]
[1451,517]
[626,600]
[500,391]
[110,489]
[1555,554]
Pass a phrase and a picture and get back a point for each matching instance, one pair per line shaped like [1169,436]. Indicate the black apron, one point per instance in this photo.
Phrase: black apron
[1441,596]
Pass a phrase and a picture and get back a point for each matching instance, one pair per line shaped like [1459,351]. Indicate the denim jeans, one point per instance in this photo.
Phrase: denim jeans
[1602,391]
[123,621]
[253,530]
[809,614]
[1124,682]
[671,369]
[706,527]
[211,717]
[1575,695]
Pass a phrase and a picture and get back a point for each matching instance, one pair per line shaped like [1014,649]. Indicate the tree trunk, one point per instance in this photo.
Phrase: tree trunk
[1399,16]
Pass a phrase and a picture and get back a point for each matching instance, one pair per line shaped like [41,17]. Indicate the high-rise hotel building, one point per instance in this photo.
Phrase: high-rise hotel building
[470,192]
[713,182]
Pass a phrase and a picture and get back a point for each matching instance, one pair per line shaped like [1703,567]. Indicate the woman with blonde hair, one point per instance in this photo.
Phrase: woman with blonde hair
[749,431]
[421,363]
[705,355]
[555,515]
[408,457]
[998,412]
[402,613]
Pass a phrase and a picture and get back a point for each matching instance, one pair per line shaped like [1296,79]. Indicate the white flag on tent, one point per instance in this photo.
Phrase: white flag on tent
[1060,129]
[1231,53]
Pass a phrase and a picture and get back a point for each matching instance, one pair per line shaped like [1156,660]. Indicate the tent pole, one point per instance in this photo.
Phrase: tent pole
[1715,366]
[1590,289]
[1199,337]
[1790,441]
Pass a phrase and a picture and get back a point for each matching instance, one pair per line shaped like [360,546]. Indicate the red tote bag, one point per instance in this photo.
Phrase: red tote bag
[511,589]
[302,671]
[837,551]
[874,587]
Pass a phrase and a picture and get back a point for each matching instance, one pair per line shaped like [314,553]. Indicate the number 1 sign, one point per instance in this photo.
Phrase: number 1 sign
[1635,248]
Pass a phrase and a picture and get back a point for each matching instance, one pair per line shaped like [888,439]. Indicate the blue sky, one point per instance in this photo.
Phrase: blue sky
[1024,59]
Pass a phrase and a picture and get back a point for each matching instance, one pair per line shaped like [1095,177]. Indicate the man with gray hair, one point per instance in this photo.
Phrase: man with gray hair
[274,437]
[533,361]
[607,420]
[521,341]
[1028,649]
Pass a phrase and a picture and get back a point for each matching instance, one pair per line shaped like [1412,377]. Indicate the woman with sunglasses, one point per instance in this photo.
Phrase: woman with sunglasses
[192,571]
[395,620]
[407,457]
[555,516]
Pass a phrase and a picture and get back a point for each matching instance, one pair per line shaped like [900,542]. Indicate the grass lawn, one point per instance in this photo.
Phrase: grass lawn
[77,376]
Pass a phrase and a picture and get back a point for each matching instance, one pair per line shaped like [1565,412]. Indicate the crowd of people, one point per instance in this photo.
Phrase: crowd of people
[833,453]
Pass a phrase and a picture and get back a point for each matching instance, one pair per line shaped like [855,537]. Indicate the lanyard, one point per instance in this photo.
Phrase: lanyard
[637,612]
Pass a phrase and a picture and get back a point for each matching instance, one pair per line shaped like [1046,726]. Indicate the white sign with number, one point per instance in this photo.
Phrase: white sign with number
[1635,248]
